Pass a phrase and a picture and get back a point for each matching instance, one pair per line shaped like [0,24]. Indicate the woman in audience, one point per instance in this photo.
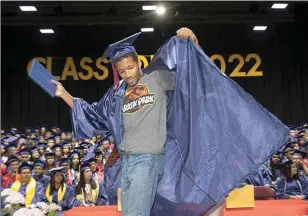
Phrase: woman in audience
[291,185]
[58,192]
[274,169]
[89,191]
[75,161]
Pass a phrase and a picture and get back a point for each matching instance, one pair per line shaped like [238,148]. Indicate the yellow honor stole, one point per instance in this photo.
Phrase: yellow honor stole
[60,193]
[94,193]
[30,190]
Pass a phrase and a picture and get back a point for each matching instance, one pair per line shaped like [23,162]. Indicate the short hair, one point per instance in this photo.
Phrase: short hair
[133,55]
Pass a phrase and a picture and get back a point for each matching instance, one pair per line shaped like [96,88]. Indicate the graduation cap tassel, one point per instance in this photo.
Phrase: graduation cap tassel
[115,77]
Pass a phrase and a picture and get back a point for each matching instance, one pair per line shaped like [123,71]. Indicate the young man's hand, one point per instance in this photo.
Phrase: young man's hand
[186,33]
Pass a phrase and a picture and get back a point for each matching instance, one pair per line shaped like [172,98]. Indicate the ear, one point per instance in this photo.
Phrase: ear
[139,63]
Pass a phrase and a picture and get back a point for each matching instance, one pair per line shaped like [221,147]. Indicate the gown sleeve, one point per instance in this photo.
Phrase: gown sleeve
[102,196]
[39,193]
[69,200]
[112,178]
[89,120]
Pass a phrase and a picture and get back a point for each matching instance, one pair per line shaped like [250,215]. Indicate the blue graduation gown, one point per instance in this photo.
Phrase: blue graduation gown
[286,189]
[69,200]
[112,178]
[102,196]
[217,134]
[39,192]
[258,177]
[44,179]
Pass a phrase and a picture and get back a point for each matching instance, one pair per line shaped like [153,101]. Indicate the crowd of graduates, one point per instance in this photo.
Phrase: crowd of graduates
[285,174]
[50,165]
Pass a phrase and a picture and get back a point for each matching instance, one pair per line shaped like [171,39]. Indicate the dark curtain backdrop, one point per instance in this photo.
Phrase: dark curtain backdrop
[283,88]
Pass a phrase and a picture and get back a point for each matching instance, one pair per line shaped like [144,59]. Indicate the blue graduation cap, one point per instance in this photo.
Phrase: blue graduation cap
[65,160]
[11,159]
[40,163]
[55,170]
[56,146]
[84,165]
[300,153]
[65,144]
[118,50]
[121,48]
[50,154]
[41,145]
[24,151]
[23,166]
[73,154]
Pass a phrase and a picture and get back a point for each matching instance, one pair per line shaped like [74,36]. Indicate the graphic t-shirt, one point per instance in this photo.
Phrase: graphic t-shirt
[144,113]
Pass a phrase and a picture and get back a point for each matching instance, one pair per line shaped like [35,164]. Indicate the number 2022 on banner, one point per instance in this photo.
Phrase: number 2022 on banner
[239,62]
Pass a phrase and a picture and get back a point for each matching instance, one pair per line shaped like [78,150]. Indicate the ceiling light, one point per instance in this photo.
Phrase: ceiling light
[279,6]
[27,8]
[260,28]
[147,29]
[47,31]
[149,7]
[160,10]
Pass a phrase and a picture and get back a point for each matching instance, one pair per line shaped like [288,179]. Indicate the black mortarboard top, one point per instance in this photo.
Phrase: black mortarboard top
[23,166]
[41,145]
[85,144]
[80,147]
[49,154]
[11,159]
[84,166]
[24,151]
[56,146]
[90,160]
[65,144]
[98,152]
[288,149]
[74,153]
[40,163]
[300,153]
[55,170]
[34,148]
[57,136]
[50,138]
[65,160]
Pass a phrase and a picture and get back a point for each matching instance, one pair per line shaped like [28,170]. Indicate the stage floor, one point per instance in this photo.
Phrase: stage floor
[262,208]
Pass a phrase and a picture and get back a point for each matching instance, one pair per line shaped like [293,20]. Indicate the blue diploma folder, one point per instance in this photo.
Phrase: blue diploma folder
[43,78]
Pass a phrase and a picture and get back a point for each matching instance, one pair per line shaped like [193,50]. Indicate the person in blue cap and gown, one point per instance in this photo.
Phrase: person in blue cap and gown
[60,193]
[32,190]
[171,113]
[38,172]
[89,191]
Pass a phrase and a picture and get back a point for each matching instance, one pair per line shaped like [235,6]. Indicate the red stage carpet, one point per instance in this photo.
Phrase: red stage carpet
[262,208]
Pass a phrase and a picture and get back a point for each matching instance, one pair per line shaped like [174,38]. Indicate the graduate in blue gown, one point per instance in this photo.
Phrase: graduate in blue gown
[204,103]
[292,185]
[38,172]
[112,176]
[32,190]
[89,191]
[273,169]
[60,193]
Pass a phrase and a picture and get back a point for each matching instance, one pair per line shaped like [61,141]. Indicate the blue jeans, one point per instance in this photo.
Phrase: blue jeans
[140,176]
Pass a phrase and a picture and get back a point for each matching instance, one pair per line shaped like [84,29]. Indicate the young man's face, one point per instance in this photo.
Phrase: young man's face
[14,166]
[25,158]
[50,160]
[25,175]
[38,170]
[129,70]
